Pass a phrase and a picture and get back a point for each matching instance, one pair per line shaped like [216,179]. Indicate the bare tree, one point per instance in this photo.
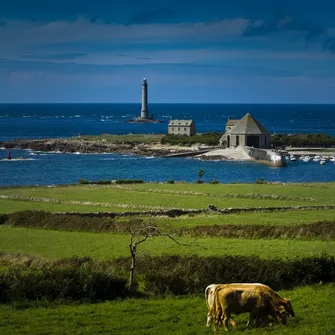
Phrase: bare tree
[139,235]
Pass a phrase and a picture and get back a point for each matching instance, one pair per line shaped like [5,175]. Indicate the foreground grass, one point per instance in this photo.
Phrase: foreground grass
[61,244]
[313,305]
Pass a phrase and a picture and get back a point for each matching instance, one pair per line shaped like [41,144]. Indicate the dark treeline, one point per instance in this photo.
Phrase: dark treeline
[324,230]
[303,140]
[85,280]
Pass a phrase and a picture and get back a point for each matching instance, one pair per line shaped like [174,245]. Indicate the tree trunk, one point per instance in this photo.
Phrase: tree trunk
[133,264]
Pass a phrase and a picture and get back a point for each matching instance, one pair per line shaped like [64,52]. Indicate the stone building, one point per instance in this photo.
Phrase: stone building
[182,127]
[246,132]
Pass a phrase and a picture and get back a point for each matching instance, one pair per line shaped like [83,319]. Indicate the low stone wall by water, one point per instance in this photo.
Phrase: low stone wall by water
[266,156]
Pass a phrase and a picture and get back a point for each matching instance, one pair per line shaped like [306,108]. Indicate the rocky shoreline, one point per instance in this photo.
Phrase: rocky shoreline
[85,146]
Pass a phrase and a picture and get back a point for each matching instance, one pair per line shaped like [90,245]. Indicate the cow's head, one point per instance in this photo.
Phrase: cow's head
[281,315]
[286,303]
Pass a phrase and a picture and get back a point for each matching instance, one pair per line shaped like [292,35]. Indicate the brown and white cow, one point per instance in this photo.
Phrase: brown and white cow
[270,303]
[250,299]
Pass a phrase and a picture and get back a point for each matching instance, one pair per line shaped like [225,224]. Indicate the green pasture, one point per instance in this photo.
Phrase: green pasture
[313,305]
[194,196]
[321,193]
[10,206]
[286,218]
[51,244]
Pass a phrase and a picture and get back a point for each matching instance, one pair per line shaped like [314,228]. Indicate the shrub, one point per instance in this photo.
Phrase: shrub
[128,181]
[190,275]
[83,181]
[260,181]
[104,182]
[209,138]
[302,140]
[170,181]
[3,218]
[54,283]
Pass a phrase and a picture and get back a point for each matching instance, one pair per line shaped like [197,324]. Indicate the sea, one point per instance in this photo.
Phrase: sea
[36,121]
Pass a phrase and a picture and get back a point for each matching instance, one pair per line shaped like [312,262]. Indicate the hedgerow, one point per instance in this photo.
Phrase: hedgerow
[82,279]
[209,138]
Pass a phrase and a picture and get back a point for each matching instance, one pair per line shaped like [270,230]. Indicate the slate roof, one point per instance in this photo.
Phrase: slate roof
[231,122]
[249,126]
[180,123]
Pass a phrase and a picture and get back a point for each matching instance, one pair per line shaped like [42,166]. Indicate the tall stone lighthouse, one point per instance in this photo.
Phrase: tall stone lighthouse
[144,110]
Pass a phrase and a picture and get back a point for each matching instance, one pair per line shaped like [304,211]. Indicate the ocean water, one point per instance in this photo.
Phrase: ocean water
[66,120]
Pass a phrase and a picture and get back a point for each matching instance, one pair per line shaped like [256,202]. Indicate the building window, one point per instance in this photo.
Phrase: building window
[237,140]
[184,129]
[172,129]
[178,129]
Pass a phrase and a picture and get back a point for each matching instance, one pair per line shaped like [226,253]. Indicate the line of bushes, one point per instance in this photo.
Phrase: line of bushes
[109,182]
[209,138]
[84,222]
[52,283]
[303,140]
[189,275]
[82,279]
[321,230]
[70,222]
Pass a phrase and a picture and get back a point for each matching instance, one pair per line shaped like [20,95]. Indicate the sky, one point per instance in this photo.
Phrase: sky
[213,51]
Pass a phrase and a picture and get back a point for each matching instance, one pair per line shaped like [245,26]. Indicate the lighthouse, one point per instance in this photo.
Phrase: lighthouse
[144,110]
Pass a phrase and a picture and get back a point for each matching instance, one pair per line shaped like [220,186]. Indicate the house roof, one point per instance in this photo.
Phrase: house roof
[248,125]
[231,122]
[180,122]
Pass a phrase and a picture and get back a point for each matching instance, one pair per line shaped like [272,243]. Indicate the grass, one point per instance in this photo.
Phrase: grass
[11,206]
[136,138]
[171,196]
[292,217]
[61,244]
[313,306]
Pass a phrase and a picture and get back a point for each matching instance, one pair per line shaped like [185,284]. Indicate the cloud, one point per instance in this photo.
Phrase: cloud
[151,16]
[61,56]
[329,44]
[282,21]
[30,36]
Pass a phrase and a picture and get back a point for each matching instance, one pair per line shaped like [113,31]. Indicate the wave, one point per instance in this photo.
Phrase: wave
[17,159]
[37,154]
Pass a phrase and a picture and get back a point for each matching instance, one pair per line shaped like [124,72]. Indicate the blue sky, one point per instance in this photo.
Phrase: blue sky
[233,51]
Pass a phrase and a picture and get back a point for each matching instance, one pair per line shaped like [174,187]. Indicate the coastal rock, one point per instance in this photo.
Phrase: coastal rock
[84,146]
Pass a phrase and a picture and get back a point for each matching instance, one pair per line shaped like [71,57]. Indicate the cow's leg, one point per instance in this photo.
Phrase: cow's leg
[209,319]
[226,317]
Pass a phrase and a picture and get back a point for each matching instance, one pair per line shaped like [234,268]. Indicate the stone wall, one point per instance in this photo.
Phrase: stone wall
[266,156]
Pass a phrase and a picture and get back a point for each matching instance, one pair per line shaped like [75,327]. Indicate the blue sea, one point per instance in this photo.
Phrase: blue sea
[33,121]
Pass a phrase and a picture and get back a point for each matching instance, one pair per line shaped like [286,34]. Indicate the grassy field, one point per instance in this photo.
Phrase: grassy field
[59,244]
[314,308]
[189,196]
[11,206]
[287,218]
